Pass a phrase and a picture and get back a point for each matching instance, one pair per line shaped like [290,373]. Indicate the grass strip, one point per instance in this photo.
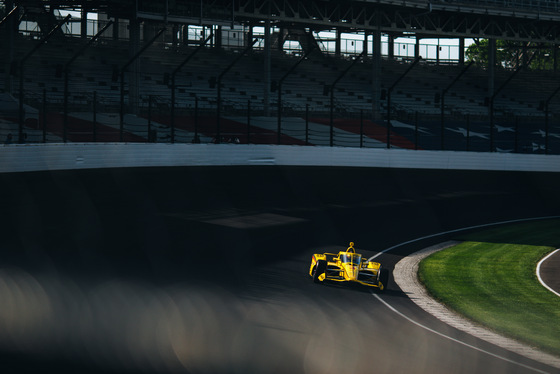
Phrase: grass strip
[490,278]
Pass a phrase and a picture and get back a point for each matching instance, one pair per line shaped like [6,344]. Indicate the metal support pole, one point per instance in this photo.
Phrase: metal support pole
[416,127]
[491,103]
[9,39]
[21,118]
[248,120]
[172,108]
[358,58]
[306,124]
[442,135]
[66,70]
[491,65]
[361,128]
[83,22]
[416,60]
[115,31]
[331,119]
[468,132]
[121,109]
[388,136]
[150,98]
[416,133]
[44,117]
[173,81]
[196,118]
[337,43]
[94,116]
[219,88]
[546,108]
[491,125]
[443,101]
[65,121]
[133,73]
[546,133]
[461,51]
[219,113]
[122,71]
[555,58]
[376,72]
[279,114]
[21,98]
[267,63]
[280,82]
[10,13]
[516,145]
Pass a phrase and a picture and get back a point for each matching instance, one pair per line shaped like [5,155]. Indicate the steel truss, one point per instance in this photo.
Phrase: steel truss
[408,17]
[430,18]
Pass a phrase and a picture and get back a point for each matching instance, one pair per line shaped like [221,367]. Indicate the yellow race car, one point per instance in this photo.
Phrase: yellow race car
[348,266]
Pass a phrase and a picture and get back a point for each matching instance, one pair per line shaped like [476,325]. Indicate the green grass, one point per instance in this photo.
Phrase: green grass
[490,278]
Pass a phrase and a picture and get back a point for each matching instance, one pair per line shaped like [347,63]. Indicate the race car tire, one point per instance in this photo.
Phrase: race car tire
[382,279]
[319,269]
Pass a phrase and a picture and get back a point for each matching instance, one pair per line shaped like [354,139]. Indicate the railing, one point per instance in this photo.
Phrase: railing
[532,5]
[199,102]
[94,118]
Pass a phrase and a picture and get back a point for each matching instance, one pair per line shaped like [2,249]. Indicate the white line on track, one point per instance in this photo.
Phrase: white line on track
[539,272]
[456,340]
[451,232]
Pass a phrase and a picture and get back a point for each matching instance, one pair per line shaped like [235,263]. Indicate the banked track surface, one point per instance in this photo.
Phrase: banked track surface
[204,270]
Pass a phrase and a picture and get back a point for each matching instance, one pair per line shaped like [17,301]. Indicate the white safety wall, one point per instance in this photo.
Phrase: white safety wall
[37,157]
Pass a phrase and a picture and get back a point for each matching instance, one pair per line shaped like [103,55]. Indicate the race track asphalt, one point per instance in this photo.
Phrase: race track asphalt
[204,269]
[549,272]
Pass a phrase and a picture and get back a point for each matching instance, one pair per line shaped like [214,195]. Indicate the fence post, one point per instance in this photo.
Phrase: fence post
[546,130]
[306,124]
[361,128]
[416,131]
[468,132]
[94,116]
[279,115]
[331,119]
[491,126]
[248,121]
[150,119]
[64,126]
[516,144]
[546,137]
[442,119]
[196,118]
[388,137]
[44,116]
[173,115]
[121,109]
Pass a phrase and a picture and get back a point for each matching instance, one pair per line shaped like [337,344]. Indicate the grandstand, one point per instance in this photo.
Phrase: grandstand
[118,86]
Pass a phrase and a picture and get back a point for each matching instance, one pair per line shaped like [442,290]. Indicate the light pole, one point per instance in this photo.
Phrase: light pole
[546,111]
[66,69]
[279,88]
[173,86]
[491,101]
[416,60]
[21,72]
[331,134]
[122,71]
[219,87]
[443,101]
